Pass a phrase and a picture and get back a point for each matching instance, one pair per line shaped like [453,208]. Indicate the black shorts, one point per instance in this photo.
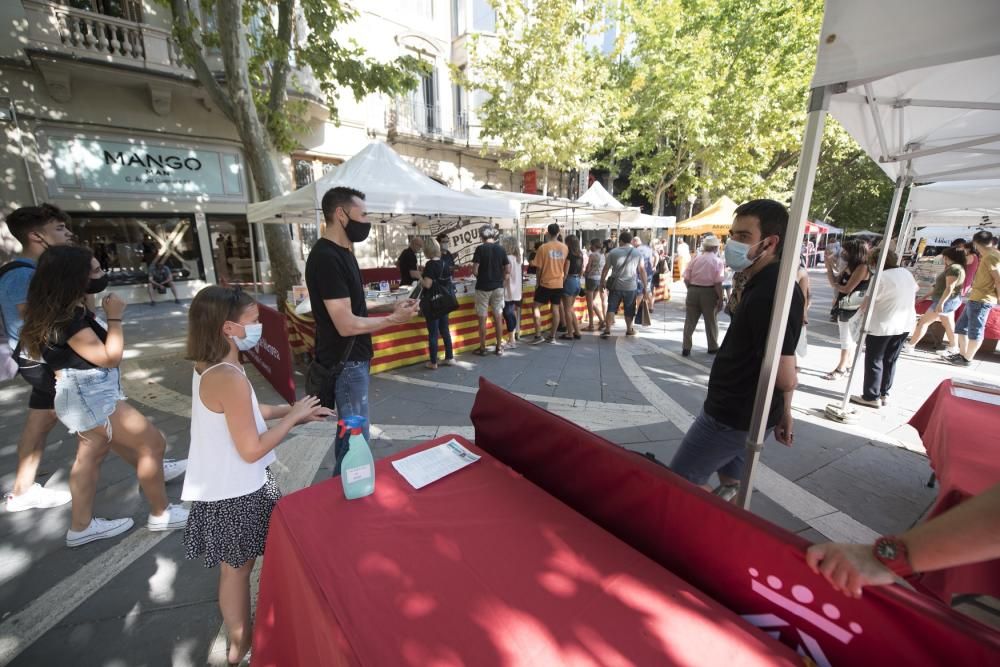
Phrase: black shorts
[42,381]
[550,295]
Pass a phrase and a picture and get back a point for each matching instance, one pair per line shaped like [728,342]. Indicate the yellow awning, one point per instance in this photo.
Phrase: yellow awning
[716,219]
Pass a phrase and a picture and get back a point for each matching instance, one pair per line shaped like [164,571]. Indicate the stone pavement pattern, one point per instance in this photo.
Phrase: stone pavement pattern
[137,601]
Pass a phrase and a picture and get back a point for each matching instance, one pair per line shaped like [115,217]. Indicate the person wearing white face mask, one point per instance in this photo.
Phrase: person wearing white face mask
[717,439]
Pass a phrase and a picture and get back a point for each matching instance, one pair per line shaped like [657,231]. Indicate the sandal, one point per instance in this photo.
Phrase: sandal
[577,336]
[431,366]
[498,351]
[835,374]
[566,336]
[480,352]
[589,327]
[605,334]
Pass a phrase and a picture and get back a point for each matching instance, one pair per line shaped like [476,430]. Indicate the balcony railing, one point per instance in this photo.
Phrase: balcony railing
[407,116]
[60,28]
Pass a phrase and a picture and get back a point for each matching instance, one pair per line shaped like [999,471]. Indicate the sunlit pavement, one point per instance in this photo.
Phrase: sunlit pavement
[136,600]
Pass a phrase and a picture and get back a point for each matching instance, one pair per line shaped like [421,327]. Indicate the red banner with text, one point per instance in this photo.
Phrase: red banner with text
[273,354]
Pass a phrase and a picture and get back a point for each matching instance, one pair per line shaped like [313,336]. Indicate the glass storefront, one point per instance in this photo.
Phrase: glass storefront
[126,245]
[231,239]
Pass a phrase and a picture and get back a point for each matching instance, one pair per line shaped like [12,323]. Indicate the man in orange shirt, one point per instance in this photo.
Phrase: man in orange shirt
[550,260]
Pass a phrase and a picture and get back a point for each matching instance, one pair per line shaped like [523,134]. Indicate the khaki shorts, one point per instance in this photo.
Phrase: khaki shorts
[489,300]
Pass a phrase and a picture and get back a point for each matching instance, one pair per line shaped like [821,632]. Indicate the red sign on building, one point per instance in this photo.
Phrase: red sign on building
[529,182]
[273,355]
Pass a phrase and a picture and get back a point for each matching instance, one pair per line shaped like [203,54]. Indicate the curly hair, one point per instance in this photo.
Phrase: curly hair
[57,289]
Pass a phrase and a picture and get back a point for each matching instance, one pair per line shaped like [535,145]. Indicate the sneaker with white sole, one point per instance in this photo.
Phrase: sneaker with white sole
[99,529]
[173,468]
[861,400]
[726,491]
[37,497]
[175,517]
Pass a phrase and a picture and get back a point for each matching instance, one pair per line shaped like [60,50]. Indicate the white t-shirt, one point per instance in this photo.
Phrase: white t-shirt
[512,285]
[893,311]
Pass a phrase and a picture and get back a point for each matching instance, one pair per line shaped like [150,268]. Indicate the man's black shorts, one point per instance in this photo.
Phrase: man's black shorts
[42,381]
[551,295]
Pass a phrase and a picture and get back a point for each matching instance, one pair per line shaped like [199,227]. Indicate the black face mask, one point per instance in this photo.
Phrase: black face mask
[357,231]
[97,285]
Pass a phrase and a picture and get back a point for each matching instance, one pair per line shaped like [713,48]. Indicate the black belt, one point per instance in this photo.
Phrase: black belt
[704,286]
[573,275]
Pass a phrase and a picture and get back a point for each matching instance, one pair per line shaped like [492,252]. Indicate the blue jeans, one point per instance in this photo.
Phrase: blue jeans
[710,446]
[617,297]
[973,320]
[435,327]
[86,399]
[351,394]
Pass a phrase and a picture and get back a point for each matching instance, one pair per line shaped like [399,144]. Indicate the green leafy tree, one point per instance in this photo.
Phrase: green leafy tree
[716,93]
[263,58]
[549,102]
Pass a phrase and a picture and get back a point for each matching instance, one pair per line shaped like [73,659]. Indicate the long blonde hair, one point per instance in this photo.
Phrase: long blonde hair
[511,246]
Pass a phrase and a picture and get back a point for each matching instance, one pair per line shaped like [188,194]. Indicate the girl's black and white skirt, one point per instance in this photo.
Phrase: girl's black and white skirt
[233,530]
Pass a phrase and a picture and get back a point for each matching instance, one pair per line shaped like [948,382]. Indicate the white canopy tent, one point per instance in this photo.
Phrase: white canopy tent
[395,191]
[949,210]
[921,96]
[594,212]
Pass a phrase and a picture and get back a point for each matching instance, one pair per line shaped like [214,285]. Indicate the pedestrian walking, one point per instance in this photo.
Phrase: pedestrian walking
[704,300]
[550,260]
[892,319]
[338,375]
[571,287]
[849,290]
[36,228]
[435,271]
[490,266]
[946,297]
[717,440]
[596,303]
[983,295]
[229,482]
[621,271]
[512,288]
[85,352]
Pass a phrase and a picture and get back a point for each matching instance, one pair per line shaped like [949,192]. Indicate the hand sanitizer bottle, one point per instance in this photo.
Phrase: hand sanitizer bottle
[357,470]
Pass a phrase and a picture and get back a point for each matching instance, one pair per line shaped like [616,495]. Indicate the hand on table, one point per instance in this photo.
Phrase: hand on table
[848,567]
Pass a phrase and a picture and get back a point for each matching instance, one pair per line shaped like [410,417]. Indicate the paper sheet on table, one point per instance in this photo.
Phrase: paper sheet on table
[432,464]
[973,395]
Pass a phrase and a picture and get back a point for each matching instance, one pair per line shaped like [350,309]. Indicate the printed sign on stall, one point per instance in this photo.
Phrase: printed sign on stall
[273,354]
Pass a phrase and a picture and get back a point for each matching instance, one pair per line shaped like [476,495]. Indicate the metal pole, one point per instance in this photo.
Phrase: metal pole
[253,256]
[819,102]
[866,316]
[904,234]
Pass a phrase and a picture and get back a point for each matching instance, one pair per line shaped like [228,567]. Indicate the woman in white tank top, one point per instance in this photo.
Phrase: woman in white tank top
[228,482]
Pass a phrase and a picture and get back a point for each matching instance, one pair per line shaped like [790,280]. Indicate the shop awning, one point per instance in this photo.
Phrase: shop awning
[716,219]
[395,191]
[816,228]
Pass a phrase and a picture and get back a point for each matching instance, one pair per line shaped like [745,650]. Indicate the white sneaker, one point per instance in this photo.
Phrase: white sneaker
[907,348]
[99,529]
[37,497]
[175,517]
[173,468]
[948,352]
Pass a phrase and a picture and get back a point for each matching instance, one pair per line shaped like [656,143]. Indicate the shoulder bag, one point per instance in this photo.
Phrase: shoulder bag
[437,301]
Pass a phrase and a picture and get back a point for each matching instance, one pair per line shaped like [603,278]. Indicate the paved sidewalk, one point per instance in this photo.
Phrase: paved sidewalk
[137,601]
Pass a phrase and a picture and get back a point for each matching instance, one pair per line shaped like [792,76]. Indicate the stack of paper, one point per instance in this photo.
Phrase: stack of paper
[432,464]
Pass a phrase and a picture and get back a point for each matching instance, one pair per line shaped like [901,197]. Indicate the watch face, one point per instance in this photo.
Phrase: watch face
[887,550]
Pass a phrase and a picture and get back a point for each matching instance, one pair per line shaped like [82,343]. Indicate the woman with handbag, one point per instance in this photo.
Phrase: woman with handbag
[436,282]
[849,288]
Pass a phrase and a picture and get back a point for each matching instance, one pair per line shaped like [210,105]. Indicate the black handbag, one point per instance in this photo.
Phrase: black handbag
[437,300]
[321,381]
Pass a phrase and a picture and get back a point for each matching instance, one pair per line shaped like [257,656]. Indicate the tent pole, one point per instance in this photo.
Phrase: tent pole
[819,103]
[253,256]
[904,234]
[866,316]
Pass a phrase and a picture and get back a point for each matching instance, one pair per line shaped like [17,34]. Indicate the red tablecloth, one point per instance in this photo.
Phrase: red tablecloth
[962,439]
[482,569]
[992,330]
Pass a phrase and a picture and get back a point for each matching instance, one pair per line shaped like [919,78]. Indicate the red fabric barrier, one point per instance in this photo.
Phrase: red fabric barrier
[481,569]
[992,330]
[751,566]
[962,439]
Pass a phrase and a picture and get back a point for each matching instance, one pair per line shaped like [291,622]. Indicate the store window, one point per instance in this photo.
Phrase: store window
[231,238]
[126,245]
[484,17]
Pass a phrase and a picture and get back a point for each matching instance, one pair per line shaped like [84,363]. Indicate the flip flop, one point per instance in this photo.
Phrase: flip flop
[605,334]
[498,352]
[480,352]
[834,375]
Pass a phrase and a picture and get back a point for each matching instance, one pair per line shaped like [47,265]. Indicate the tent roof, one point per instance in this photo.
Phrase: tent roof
[717,219]
[647,221]
[394,189]
[959,203]
[539,210]
[928,92]
[598,197]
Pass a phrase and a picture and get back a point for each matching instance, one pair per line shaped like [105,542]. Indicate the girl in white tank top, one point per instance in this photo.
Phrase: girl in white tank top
[228,482]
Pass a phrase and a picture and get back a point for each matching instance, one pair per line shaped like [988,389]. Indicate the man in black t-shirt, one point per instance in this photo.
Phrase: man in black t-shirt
[717,439]
[337,295]
[407,262]
[490,266]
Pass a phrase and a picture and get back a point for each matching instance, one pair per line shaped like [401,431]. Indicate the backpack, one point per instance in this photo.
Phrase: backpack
[8,367]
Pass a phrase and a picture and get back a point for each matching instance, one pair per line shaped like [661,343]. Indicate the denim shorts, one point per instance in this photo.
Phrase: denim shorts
[950,306]
[85,399]
[973,319]
[593,284]
[709,447]
[617,297]
[571,286]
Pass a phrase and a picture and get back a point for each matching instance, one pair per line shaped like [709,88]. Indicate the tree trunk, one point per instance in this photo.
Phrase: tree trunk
[256,143]
[545,181]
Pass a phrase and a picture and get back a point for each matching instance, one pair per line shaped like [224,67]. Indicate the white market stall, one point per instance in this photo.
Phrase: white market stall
[917,84]
[942,212]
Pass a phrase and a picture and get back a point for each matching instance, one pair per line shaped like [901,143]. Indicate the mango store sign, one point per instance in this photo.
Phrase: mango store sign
[130,167]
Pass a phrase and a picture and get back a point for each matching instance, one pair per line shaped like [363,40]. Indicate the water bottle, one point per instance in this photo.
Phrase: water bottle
[357,469]
[383,286]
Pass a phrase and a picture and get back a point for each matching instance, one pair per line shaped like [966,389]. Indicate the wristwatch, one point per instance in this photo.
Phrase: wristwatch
[891,552]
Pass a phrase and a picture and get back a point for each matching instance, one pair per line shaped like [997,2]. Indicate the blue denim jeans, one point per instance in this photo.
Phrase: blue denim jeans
[619,297]
[351,394]
[434,328]
[85,399]
[973,320]
[710,446]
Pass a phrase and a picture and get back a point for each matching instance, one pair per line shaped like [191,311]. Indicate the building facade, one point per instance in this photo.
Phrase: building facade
[101,117]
